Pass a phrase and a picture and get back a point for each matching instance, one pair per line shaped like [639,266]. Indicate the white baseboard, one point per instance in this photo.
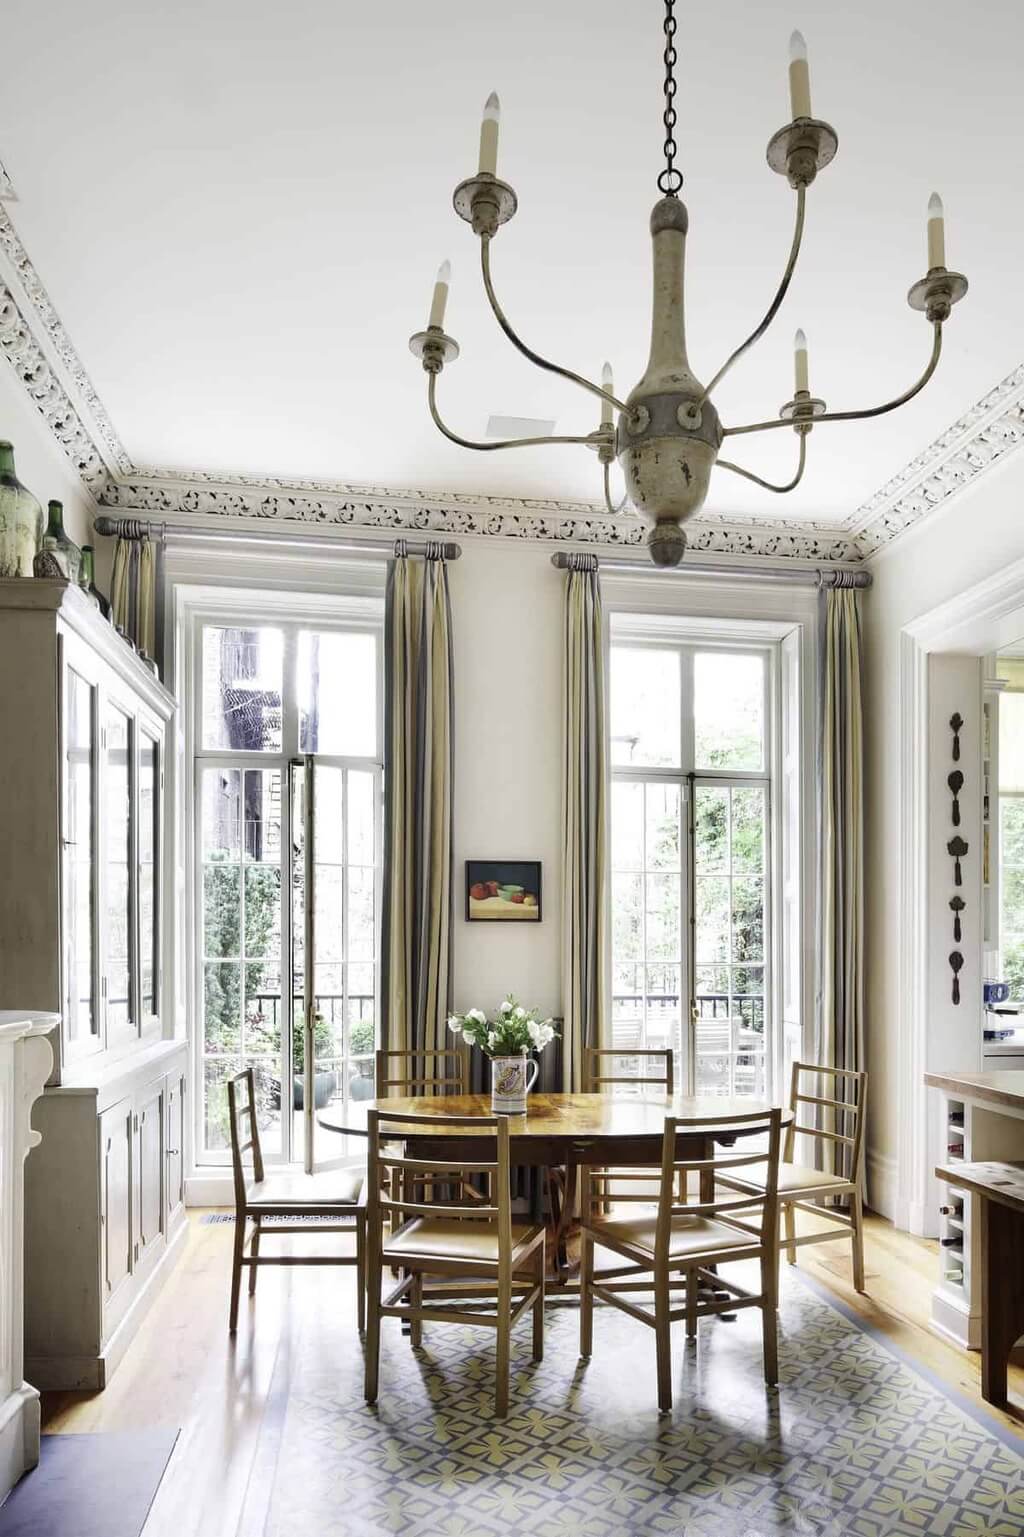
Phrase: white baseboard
[19,1436]
[882,1185]
[210,1187]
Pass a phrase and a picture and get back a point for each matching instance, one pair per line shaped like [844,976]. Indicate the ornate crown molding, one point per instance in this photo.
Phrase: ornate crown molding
[987,432]
[46,392]
[35,342]
[488,518]
[87,401]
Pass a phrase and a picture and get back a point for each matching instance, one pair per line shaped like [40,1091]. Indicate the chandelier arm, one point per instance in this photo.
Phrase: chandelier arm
[485,447]
[773,308]
[608,494]
[535,357]
[856,416]
[791,485]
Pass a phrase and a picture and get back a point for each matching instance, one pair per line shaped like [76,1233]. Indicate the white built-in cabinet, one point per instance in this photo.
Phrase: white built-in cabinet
[83,828]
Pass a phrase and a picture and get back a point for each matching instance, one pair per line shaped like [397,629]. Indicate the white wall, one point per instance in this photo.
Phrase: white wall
[42,466]
[975,537]
[507,621]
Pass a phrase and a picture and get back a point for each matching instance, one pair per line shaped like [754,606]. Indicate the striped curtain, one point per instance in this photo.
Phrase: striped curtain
[584,808]
[416,940]
[842,836]
[133,592]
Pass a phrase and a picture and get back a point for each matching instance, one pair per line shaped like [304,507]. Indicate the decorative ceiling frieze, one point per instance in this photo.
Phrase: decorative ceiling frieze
[36,344]
[557,524]
[987,432]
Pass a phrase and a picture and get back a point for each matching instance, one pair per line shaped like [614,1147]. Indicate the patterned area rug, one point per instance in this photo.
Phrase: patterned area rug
[855,1442]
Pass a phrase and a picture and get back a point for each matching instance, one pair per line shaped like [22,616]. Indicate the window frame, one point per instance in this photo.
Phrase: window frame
[688,637]
[260,608]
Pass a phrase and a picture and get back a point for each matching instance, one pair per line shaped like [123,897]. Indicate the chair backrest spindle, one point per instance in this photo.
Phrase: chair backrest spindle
[845,1105]
[240,1106]
[595,1076]
[431,1070]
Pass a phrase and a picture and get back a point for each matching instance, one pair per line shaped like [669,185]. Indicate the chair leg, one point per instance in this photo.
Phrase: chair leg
[586,1293]
[374,1277]
[504,1333]
[770,1316]
[692,1289]
[857,1217]
[538,1306]
[361,1273]
[236,1273]
[789,1221]
[254,1249]
[663,1340]
[416,1301]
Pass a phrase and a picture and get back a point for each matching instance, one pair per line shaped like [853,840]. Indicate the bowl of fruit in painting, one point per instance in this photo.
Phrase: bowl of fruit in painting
[503,899]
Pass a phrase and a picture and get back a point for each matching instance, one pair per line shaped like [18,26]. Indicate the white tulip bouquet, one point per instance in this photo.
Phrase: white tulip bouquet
[512,1030]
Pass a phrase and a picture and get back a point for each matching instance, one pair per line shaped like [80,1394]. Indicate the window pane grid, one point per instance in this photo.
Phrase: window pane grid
[713,702]
[255,708]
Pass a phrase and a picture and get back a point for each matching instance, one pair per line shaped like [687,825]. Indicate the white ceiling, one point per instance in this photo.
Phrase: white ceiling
[238,210]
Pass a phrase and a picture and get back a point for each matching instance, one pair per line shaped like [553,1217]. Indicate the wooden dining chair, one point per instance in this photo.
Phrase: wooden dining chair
[435,1071]
[678,1247]
[477,1242]
[599,1068]
[801,1186]
[600,1073]
[336,1198]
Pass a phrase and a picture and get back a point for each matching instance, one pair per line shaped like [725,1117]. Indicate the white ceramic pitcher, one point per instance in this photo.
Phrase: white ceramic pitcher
[512,1078]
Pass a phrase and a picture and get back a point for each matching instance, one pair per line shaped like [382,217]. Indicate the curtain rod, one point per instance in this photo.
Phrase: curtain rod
[827,576]
[142,528]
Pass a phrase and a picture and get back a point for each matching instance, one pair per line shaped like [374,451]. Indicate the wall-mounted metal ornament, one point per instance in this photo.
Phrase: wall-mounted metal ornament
[957,848]
[957,904]
[955,780]
[956,960]
[956,722]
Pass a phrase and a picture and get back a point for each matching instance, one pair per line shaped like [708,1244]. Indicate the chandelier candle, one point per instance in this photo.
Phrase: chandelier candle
[799,77]
[607,383]
[489,136]
[666,435]
[800,362]
[936,233]
[439,302]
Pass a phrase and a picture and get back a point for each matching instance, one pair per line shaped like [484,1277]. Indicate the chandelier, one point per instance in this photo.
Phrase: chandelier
[668,434]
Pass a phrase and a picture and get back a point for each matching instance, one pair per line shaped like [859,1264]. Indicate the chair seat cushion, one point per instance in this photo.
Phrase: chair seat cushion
[793,1178]
[690,1235]
[307,1192]
[452,1238]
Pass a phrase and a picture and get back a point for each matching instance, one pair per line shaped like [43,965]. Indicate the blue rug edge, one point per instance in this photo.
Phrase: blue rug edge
[982,1415]
[92,1435]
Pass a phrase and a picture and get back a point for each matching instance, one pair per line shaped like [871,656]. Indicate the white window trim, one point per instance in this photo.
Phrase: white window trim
[683,638]
[219,584]
[748,614]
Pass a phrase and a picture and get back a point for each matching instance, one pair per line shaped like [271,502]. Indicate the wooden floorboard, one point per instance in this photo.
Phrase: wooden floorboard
[183,1369]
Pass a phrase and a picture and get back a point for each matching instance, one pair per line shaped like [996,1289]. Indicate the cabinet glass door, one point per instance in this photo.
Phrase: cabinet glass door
[149,832]
[81,1015]
[117,871]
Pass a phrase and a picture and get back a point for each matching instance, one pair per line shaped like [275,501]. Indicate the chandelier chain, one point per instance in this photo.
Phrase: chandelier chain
[670,180]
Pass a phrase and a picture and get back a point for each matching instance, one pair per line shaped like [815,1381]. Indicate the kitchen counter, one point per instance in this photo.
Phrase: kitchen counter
[1004,1088]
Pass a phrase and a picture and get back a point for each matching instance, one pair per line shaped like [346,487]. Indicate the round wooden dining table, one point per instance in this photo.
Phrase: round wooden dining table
[568,1131]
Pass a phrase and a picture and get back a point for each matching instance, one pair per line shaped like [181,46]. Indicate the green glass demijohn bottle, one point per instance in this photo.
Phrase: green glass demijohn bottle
[21,519]
[69,556]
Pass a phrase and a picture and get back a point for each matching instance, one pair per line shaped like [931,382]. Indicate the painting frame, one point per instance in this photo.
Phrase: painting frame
[507,877]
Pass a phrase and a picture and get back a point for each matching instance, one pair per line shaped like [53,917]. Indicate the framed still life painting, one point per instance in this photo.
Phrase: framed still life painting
[503,890]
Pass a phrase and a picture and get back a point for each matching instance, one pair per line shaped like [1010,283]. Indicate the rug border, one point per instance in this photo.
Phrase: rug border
[980,1413]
